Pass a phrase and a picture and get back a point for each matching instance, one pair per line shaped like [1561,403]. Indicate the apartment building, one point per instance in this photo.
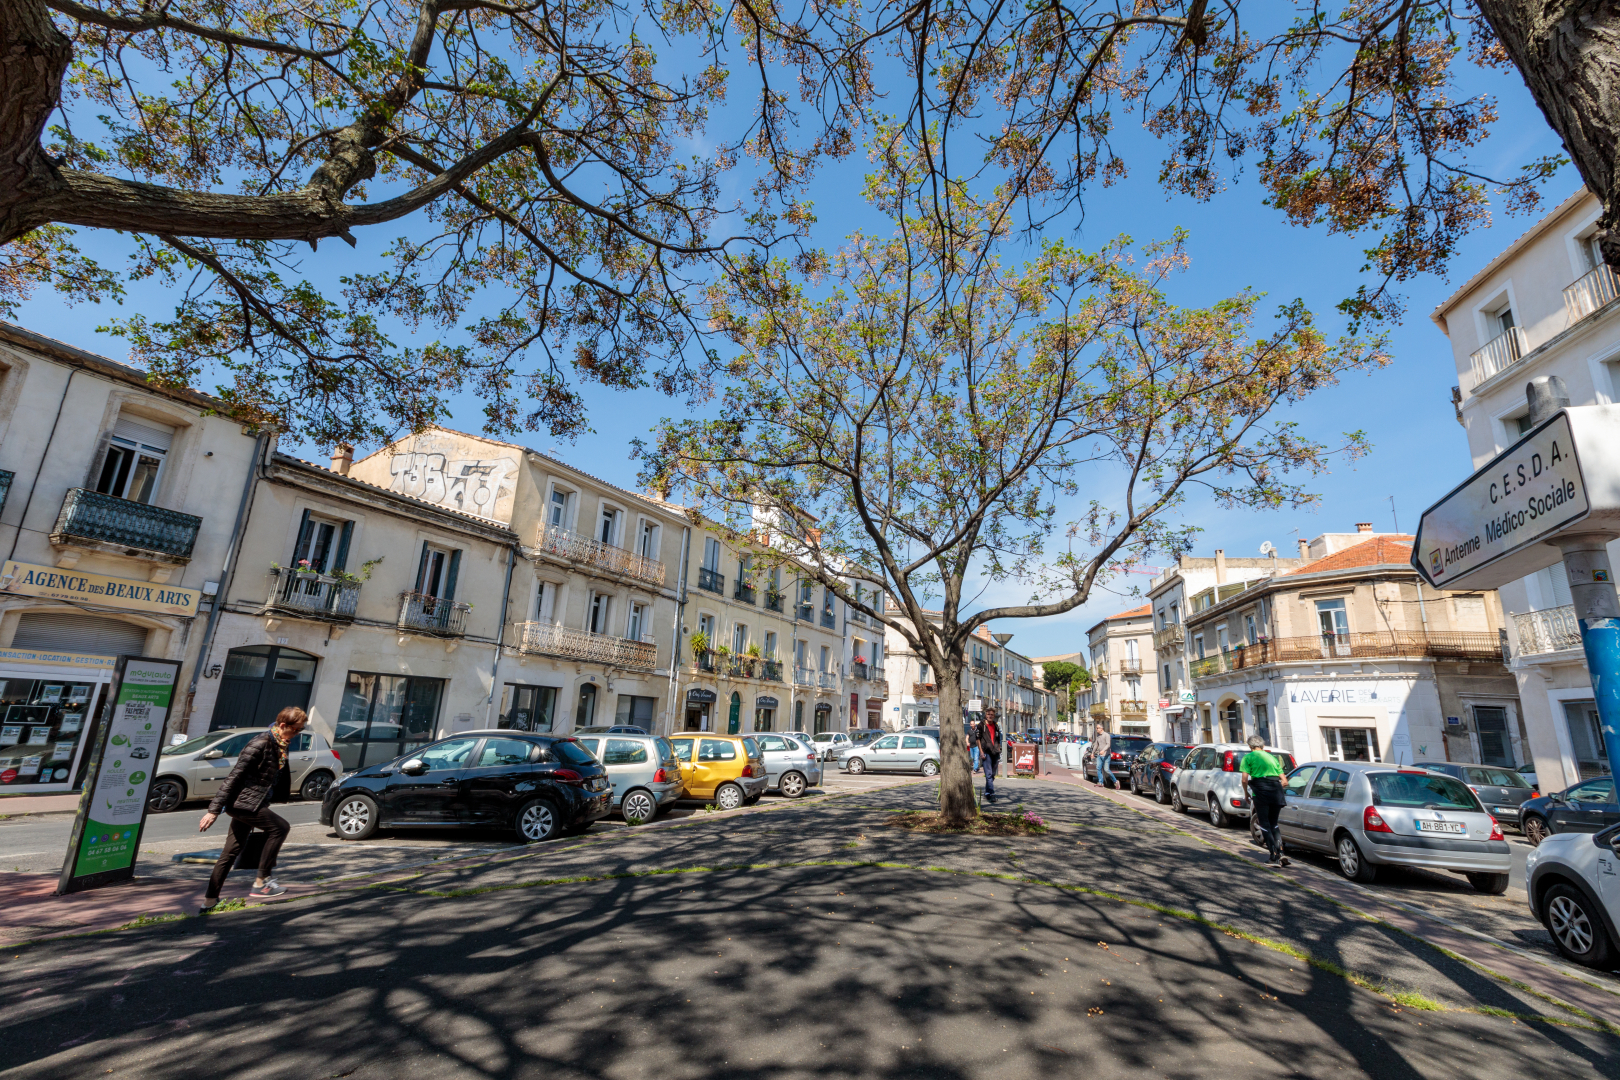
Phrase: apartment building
[993,677]
[1351,657]
[1544,306]
[1125,682]
[1061,708]
[120,504]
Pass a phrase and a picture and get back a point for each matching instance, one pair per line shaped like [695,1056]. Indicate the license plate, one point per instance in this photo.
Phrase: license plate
[1442,826]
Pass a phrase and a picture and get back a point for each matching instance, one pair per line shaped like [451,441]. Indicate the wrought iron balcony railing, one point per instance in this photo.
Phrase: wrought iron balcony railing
[879,673]
[1434,644]
[1590,292]
[93,518]
[829,620]
[1498,354]
[773,601]
[589,551]
[744,592]
[554,639]
[770,670]
[314,596]
[711,580]
[432,614]
[1129,667]
[803,676]
[1098,712]
[860,670]
[828,679]
[706,660]
[1550,630]
[1171,637]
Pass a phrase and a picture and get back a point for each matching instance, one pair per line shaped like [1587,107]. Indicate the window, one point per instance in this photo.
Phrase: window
[639,627]
[448,755]
[499,753]
[136,451]
[1220,640]
[888,742]
[324,542]
[922,673]
[436,572]
[765,720]
[648,546]
[1262,722]
[1598,792]
[1586,738]
[1351,744]
[1295,788]
[383,717]
[585,713]
[1414,790]
[913,742]
[637,710]
[608,530]
[739,638]
[806,603]
[1552,585]
[711,553]
[527,708]
[1503,319]
[770,644]
[559,509]
[1198,645]
[1334,623]
[1330,784]
[545,601]
[798,716]
[1249,634]
[600,605]
[826,656]
[717,750]
[624,752]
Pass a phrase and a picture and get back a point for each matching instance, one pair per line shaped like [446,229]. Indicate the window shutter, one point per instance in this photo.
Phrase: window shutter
[87,634]
[341,560]
[155,435]
[305,527]
[421,567]
[450,578]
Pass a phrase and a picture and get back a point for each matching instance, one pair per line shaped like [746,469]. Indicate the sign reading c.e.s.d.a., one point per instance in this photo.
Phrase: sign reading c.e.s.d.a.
[1494,527]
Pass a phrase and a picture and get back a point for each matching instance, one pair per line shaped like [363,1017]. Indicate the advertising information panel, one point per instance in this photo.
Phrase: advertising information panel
[112,811]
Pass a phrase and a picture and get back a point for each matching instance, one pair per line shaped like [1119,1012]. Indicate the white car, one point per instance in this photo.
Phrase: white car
[1209,781]
[1574,884]
[904,751]
[828,743]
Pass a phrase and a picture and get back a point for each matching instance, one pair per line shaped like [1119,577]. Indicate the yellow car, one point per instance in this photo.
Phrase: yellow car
[727,769]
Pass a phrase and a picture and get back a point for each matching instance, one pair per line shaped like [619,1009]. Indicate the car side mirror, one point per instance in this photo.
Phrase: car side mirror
[1557,796]
[414,767]
[213,755]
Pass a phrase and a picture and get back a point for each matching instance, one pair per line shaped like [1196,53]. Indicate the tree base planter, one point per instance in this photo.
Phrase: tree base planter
[1018,823]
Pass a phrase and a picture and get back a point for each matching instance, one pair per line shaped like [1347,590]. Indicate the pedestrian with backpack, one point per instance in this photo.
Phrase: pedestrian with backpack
[990,746]
[246,795]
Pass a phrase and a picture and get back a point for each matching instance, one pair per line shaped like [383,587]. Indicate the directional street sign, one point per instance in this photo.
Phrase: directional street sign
[1561,478]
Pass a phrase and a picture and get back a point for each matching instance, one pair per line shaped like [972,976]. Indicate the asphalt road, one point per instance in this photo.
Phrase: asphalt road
[812,941]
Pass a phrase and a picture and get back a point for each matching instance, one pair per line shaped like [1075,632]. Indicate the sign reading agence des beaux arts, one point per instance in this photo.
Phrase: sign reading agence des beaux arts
[29,579]
[1494,527]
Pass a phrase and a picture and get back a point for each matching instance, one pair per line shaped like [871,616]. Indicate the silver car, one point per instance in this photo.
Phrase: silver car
[1370,814]
[646,777]
[792,765]
[195,768]
[905,751]
[828,743]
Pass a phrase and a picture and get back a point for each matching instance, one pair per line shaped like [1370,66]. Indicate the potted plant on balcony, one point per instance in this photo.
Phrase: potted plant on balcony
[700,642]
[754,652]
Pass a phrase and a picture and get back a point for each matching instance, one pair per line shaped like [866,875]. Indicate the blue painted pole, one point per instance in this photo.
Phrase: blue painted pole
[1597,606]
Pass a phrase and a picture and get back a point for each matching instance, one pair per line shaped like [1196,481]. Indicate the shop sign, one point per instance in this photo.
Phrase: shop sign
[27,579]
[1188,697]
[58,659]
[106,834]
[706,697]
[765,702]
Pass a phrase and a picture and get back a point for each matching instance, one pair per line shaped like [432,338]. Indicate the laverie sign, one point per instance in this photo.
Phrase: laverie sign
[1494,527]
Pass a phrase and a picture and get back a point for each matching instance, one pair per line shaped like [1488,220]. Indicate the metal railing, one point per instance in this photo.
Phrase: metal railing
[743,592]
[315,595]
[1549,630]
[803,676]
[1435,644]
[579,548]
[879,673]
[706,660]
[773,601]
[1129,667]
[106,519]
[555,639]
[1133,705]
[805,613]
[770,670]
[1590,292]
[924,689]
[829,620]
[1171,637]
[855,616]
[432,614]
[1025,681]
[828,680]
[1498,354]
[1099,712]
[859,669]
[5,486]
[711,580]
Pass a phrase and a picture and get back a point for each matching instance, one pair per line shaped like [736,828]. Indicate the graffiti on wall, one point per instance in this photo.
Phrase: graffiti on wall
[471,485]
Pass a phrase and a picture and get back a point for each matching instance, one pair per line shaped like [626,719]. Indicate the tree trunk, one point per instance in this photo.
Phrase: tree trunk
[33,56]
[956,801]
[1569,55]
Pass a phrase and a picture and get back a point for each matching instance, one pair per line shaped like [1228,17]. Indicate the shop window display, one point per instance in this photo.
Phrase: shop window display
[44,724]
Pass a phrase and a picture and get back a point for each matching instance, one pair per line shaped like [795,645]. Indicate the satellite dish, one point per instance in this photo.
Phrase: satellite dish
[1268,548]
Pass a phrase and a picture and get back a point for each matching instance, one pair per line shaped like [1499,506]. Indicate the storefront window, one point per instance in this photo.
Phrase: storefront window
[44,724]
[385,716]
[527,708]
[823,718]
[633,709]
[1351,744]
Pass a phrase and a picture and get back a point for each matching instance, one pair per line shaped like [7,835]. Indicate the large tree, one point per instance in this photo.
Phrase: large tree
[920,409]
[550,158]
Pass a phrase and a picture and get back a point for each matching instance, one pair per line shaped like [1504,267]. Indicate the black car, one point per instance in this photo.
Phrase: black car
[1151,769]
[1122,750]
[1502,790]
[537,785]
[1588,807]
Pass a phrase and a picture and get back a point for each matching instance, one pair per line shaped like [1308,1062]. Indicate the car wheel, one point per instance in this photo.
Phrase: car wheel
[1218,817]
[856,766]
[639,804]
[1175,801]
[1256,837]
[165,795]
[315,786]
[729,797]
[1489,884]
[355,817]
[1162,792]
[930,768]
[1576,928]
[1351,863]
[537,821]
[792,785]
[1535,830]
[1136,789]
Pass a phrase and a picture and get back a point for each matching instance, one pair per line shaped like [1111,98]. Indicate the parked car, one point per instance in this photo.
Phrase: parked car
[1573,880]
[539,786]
[1528,771]
[791,764]
[1502,790]
[1209,780]
[645,775]
[1122,750]
[728,769]
[195,768]
[828,743]
[611,729]
[1152,768]
[1587,807]
[1369,814]
[901,751]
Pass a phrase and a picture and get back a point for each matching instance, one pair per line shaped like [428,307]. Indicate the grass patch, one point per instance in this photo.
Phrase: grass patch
[150,920]
[1018,823]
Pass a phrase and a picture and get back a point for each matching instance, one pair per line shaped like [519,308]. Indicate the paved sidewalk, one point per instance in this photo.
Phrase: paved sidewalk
[13,805]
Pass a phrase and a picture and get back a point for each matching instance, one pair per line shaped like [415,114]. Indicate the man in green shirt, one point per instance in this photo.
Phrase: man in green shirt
[1262,783]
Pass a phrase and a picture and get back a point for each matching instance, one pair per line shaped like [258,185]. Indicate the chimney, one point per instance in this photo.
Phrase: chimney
[1220,567]
[1304,548]
[342,458]
[1363,526]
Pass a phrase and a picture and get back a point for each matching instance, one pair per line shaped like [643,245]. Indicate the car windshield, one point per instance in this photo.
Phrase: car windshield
[193,745]
[1418,790]
[1483,774]
[570,751]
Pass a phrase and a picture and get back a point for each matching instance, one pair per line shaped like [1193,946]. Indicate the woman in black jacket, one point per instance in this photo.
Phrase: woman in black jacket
[246,795]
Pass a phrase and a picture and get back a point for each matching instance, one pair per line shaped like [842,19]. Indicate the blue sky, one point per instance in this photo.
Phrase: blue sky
[1419,452]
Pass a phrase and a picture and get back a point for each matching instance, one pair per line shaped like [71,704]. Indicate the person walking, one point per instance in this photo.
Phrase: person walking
[1099,746]
[973,748]
[246,795]
[1262,786]
[990,744]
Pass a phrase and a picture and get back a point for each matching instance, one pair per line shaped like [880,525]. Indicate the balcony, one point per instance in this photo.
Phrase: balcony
[827,680]
[1434,645]
[859,669]
[1098,712]
[857,617]
[829,620]
[1129,667]
[711,581]
[587,551]
[805,613]
[1498,354]
[312,596]
[880,674]
[5,487]
[924,689]
[1025,681]
[770,670]
[1133,705]
[706,660]
[108,523]
[803,676]
[740,667]
[744,593]
[1171,637]
[432,615]
[978,665]
[1553,630]
[554,639]
[773,601]
[1589,293]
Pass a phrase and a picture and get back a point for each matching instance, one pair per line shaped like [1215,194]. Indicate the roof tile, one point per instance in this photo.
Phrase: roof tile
[1375,552]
